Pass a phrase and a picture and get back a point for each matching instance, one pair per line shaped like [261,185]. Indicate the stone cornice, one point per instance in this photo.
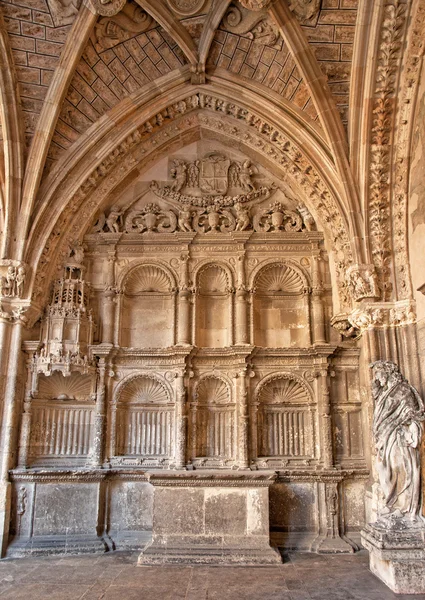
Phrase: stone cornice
[198,478]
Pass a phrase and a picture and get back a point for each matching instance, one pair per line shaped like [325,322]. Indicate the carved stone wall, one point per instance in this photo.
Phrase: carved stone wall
[210,348]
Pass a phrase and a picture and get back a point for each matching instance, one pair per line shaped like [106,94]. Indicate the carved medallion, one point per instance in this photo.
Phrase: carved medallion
[108,8]
[186,8]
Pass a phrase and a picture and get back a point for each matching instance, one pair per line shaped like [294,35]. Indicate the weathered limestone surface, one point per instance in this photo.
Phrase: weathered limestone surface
[212,518]
[210,225]
[396,540]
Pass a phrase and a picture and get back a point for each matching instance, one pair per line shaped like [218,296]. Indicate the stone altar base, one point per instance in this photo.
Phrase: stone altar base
[210,518]
[397,558]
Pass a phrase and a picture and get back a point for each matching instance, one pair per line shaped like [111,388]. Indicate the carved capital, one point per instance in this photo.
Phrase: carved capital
[362,282]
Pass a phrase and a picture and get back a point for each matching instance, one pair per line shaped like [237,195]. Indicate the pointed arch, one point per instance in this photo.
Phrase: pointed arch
[13,141]
[276,138]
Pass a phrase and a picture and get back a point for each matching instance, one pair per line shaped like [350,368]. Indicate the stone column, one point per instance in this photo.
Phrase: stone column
[241,318]
[108,304]
[318,313]
[181,422]
[9,433]
[194,428]
[183,330]
[326,420]
[99,419]
[184,303]
[25,433]
[243,419]
[241,305]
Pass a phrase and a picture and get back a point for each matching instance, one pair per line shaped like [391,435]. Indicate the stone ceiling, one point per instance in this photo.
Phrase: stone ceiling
[344,72]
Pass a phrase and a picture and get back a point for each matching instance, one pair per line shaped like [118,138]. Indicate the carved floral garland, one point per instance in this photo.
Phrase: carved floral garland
[412,68]
[383,120]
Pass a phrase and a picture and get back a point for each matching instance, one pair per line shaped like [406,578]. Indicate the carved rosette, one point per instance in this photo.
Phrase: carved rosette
[186,8]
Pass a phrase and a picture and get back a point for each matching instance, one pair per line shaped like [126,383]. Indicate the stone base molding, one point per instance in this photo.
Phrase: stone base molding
[211,519]
[397,558]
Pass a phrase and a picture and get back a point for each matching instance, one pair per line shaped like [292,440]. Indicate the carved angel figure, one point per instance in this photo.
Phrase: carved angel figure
[112,220]
[20,281]
[76,252]
[397,429]
[8,283]
[242,217]
[306,216]
[185,220]
[179,174]
[245,174]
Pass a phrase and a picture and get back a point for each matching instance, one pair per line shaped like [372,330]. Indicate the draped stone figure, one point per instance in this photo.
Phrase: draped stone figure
[397,428]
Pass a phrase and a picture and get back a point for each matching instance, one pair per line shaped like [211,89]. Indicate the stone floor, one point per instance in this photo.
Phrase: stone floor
[115,576]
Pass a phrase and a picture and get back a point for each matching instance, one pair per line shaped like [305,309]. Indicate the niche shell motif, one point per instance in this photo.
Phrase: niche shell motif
[213,194]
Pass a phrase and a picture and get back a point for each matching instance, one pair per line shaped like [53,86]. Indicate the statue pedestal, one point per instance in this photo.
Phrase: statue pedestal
[397,557]
[210,518]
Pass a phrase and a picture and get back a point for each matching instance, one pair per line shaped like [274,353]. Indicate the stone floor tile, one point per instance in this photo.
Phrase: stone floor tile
[65,574]
[42,591]
[299,595]
[117,576]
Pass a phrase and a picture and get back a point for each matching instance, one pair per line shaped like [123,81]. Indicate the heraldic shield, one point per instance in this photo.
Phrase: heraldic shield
[213,176]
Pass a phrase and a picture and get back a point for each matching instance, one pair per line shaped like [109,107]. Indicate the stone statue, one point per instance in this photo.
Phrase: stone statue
[20,281]
[76,252]
[179,174]
[397,429]
[112,221]
[307,217]
[242,217]
[185,219]
[245,176]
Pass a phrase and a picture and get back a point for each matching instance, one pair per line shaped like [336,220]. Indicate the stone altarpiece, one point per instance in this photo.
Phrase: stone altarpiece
[190,334]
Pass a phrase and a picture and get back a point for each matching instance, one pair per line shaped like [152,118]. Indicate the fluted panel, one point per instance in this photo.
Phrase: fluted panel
[145,432]
[61,431]
[285,432]
[215,431]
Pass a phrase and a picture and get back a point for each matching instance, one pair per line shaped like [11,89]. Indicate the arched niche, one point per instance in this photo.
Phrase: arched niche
[148,308]
[213,420]
[280,308]
[213,314]
[62,418]
[285,420]
[144,419]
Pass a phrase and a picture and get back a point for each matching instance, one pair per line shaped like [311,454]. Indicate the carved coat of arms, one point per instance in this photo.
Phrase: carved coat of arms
[213,174]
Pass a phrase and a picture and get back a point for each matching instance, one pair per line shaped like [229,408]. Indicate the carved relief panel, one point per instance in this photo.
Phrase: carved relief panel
[144,419]
[213,297]
[62,418]
[281,313]
[213,420]
[148,308]
[285,419]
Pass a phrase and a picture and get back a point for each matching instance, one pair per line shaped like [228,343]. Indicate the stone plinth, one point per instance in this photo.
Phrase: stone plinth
[211,518]
[397,558]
